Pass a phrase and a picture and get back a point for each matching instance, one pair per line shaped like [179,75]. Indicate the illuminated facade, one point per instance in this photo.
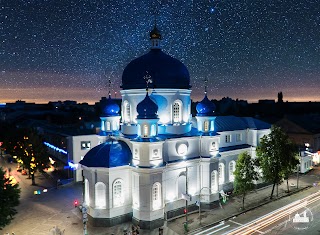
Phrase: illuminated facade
[153,155]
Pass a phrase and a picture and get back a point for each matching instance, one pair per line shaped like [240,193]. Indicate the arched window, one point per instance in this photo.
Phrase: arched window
[86,192]
[181,185]
[232,168]
[118,195]
[108,126]
[153,130]
[177,111]
[221,173]
[126,111]
[145,130]
[156,196]
[100,195]
[206,125]
[214,181]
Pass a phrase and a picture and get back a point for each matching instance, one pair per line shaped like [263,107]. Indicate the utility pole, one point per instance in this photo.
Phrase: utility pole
[187,194]
[297,176]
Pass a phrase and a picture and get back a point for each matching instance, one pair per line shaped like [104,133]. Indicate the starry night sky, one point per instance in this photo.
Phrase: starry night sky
[248,49]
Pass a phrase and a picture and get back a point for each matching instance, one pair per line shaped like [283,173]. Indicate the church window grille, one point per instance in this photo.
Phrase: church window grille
[214,182]
[100,195]
[177,111]
[118,195]
[108,126]
[232,168]
[156,196]
[145,131]
[206,125]
[221,173]
[127,111]
[238,137]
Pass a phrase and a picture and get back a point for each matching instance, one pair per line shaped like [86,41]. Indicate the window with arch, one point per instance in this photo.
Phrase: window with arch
[177,111]
[232,168]
[156,196]
[86,192]
[206,125]
[214,181]
[126,112]
[100,195]
[145,130]
[221,173]
[108,126]
[118,195]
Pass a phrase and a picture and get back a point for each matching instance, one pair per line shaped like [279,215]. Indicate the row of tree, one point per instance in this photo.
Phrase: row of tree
[27,145]
[277,158]
[31,154]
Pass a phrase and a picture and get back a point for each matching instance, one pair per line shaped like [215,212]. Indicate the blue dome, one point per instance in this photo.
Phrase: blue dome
[110,108]
[165,71]
[147,109]
[113,153]
[205,107]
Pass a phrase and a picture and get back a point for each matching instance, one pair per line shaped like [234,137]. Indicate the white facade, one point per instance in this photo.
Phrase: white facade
[158,156]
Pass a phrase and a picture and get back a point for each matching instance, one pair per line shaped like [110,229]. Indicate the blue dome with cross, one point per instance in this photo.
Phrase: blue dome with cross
[205,107]
[147,109]
[110,108]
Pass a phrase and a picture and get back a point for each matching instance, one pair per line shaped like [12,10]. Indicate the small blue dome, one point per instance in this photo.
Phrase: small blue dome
[110,108]
[205,107]
[147,109]
[165,71]
[113,153]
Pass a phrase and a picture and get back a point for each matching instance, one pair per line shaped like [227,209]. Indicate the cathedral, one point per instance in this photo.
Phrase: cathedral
[153,160]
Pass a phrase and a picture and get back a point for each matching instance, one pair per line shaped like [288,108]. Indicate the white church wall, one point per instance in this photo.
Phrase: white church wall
[146,210]
[181,149]
[78,146]
[209,145]
[231,138]
[164,98]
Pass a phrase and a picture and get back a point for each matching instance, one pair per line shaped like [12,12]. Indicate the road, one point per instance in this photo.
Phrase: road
[282,220]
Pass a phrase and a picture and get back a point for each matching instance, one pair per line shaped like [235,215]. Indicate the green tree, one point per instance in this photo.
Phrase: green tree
[275,153]
[9,199]
[292,162]
[245,174]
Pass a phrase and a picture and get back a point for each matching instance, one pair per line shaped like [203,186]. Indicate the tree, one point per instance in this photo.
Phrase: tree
[245,174]
[293,161]
[275,155]
[31,153]
[9,199]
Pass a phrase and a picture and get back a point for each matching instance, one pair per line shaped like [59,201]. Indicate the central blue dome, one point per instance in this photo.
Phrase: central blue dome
[165,71]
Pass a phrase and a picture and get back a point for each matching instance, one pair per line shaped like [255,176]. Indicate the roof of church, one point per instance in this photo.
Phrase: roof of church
[147,109]
[112,153]
[205,107]
[110,108]
[232,123]
[165,71]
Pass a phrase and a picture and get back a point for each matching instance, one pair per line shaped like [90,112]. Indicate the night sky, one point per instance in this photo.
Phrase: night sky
[247,49]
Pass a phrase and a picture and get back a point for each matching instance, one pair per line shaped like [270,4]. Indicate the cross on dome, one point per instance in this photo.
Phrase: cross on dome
[148,79]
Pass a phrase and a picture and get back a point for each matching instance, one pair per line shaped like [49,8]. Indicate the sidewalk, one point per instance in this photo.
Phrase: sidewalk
[233,206]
